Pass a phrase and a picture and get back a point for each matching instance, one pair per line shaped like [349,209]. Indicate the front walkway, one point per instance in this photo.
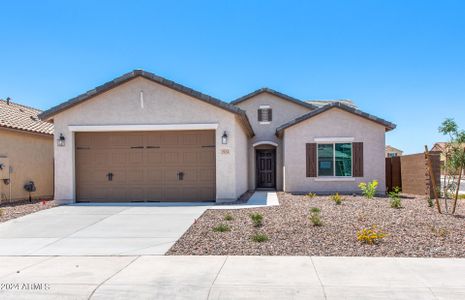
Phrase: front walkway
[233,277]
[108,229]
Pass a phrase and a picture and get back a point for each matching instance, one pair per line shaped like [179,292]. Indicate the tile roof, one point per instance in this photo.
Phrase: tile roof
[21,117]
[155,78]
[350,109]
[321,103]
[276,93]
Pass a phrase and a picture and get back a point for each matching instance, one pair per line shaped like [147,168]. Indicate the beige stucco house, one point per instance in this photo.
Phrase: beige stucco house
[141,137]
[392,151]
[26,153]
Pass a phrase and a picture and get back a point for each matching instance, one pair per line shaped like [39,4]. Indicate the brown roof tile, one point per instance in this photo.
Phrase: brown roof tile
[21,117]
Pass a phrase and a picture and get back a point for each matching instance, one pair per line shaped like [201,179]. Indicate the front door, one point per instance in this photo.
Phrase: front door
[266,168]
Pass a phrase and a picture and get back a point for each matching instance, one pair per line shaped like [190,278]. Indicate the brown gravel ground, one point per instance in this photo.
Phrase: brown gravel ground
[15,210]
[415,230]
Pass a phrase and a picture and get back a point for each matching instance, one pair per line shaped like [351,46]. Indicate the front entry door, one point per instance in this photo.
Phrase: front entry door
[266,168]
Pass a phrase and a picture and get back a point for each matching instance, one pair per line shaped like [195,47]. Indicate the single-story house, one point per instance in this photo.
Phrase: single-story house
[392,152]
[141,137]
[26,153]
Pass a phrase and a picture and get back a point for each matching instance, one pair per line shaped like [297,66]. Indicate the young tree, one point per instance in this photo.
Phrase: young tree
[455,159]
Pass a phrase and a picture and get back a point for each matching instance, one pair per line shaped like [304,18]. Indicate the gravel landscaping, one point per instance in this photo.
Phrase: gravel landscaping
[15,210]
[415,230]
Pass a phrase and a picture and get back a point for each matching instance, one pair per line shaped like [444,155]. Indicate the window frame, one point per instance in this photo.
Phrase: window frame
[334,160]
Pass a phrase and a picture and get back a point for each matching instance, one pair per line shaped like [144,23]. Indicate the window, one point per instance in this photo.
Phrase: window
[335,159]
[392,154]
[264,114]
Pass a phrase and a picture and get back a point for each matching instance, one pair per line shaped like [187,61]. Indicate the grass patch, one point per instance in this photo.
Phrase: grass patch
[228,217]
[257,219]
[221,228]
[260,238]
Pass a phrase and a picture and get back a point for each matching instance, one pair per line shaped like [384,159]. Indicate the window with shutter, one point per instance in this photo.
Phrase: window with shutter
[264,115]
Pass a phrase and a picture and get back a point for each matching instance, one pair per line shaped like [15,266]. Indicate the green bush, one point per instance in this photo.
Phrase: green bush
[315,216]
[221,228]
[337,198]
[395,198]
[257,219]
[260,237]
[368,189]
[311,195]
[430,202]
[228,217]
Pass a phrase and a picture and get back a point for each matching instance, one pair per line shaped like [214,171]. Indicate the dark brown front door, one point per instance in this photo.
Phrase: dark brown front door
[266,168]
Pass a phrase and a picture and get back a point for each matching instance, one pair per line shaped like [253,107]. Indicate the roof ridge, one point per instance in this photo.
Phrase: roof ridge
[273,92]
[22,105]
[388,125]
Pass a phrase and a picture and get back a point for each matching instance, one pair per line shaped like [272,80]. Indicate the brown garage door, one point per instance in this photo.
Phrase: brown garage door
[145,166]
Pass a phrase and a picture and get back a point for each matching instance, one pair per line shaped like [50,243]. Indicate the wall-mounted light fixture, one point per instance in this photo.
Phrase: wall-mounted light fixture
[224,138]
[61,140]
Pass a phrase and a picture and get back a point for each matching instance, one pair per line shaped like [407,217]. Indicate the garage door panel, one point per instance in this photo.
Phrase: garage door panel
[145,166]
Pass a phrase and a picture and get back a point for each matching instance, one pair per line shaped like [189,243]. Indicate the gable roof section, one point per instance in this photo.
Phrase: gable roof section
[352,110]
[157,79]
[321,103]
[277,94]
[21,117]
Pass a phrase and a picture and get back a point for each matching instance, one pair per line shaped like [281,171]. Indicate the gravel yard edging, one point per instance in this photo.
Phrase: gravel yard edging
[415,230]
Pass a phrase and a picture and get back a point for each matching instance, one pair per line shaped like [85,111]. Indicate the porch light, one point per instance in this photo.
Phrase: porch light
[224,138]
[61,140]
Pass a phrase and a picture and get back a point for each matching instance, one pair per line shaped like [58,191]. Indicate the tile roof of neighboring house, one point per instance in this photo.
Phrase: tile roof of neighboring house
[321,103]
[21,117]
[276,93]
[440,146]
[350,109]
[389,147]
[155,78]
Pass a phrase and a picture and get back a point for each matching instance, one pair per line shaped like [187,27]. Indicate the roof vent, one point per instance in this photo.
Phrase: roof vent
[8,100]
[33,118]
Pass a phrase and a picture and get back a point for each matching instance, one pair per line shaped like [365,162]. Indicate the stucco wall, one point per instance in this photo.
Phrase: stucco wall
[31,159]
[333,123]
[283,112]
[122,106]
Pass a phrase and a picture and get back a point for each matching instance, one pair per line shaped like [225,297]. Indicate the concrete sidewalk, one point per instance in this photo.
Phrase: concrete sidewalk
[233,277]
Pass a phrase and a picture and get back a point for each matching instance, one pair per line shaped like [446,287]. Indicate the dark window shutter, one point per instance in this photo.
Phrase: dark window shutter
[311,159]
[357,153]
[260,115]
[270,115]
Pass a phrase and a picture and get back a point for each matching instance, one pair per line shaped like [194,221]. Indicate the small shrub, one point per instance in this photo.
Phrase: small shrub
[370,235]
[430,202]
[260,237]
[368,189]
[228,217]
[257,219]
[337,198]
[315,216]
[221,228]
[439,231]
[395,198]
[311,195]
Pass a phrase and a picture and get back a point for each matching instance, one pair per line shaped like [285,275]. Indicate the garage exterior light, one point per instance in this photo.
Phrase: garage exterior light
[224,138]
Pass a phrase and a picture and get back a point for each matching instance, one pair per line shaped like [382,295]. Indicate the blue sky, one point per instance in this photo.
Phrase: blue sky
[403,61]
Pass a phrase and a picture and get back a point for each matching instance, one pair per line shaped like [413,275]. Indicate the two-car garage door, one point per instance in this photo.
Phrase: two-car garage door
[145,166]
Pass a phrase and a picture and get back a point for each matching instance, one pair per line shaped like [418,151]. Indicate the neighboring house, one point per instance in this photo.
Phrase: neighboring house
[141,137]
[393,152]
[442,147]
[26,152]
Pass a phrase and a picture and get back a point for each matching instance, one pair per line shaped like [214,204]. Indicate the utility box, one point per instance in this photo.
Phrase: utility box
[4,168]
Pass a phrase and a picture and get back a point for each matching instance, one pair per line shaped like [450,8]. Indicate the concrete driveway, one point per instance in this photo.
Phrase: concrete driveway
[98,229]
[232,277]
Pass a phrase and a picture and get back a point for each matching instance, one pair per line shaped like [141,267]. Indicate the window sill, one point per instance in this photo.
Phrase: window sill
[335,179]
[265,123]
